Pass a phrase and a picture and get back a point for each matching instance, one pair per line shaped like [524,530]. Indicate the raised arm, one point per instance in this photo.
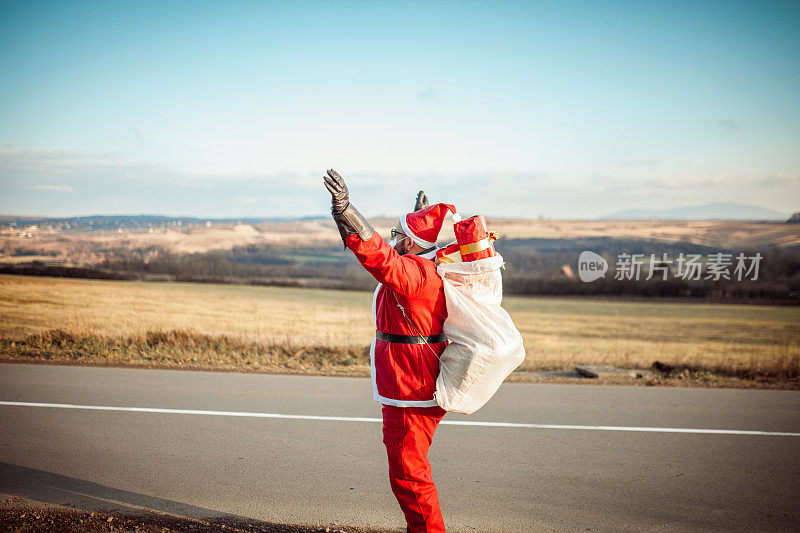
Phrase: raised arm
[347,217]
[403,274]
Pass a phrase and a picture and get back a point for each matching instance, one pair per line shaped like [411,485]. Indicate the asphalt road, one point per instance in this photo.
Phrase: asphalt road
[320,471]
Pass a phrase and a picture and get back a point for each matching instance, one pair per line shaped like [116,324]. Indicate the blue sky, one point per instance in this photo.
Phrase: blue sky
[564,109]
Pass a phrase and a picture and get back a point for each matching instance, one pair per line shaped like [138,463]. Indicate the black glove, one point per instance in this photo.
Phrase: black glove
[340,196]
[422,201]
[347,217]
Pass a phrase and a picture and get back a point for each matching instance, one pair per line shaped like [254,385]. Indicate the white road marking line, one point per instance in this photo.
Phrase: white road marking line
[361,419]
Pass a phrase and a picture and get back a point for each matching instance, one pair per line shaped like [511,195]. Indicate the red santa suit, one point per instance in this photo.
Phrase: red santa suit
[404,368]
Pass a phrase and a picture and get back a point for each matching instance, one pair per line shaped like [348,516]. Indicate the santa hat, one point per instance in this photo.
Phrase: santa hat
[423,226]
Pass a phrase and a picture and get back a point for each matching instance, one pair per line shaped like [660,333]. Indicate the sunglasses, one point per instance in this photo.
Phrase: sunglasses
[395,233]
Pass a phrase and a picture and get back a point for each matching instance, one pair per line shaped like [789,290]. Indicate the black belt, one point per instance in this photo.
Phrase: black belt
[410,339]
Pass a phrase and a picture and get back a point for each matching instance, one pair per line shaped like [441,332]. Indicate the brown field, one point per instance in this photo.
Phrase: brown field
[302,330]
[89,247]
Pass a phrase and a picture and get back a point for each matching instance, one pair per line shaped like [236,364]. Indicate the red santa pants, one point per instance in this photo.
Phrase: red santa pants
[407,434]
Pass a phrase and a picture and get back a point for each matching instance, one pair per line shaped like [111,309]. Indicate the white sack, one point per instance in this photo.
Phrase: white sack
[485,346]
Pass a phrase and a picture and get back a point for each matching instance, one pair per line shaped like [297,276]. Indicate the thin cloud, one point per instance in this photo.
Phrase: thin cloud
[56,188]
[121,187]
[641,163]
[137,135]
[780,180]
[32,155]
[685,189]
[58,161]
[728,124]
[426,94]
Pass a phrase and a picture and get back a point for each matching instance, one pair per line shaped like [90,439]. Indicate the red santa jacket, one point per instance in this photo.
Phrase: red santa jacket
[403,374]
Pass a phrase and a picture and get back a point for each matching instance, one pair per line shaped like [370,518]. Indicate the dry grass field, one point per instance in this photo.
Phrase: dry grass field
[301,330]
[89,247]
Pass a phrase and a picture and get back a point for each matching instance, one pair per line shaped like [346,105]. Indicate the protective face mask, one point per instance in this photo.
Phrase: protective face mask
[393,244]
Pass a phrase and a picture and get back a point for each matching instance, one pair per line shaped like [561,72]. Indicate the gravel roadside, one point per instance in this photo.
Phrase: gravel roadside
[22,515]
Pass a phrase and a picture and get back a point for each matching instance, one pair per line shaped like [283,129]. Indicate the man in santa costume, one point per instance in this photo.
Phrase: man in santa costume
[409,311]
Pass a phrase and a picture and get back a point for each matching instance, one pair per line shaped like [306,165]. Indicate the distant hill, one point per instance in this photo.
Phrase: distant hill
[136,221]
[702,212]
